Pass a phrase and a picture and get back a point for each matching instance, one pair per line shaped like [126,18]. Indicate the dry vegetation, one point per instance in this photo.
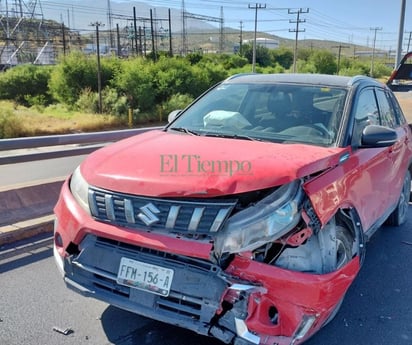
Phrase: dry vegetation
[56,120]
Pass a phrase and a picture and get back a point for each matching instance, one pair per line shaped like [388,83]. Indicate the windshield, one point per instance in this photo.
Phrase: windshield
[268,112]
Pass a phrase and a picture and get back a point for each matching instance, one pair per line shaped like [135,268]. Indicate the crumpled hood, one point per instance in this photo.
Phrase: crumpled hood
[159,163]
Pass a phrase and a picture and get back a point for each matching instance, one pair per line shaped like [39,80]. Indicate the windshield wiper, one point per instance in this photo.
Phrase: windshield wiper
[232,136]
[184,130]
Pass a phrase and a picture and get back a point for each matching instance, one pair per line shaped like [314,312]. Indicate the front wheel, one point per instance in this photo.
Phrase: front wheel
[344,254]
[344,246]
[400,214]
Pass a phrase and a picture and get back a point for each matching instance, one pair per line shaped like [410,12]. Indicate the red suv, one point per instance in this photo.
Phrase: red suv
[244,219]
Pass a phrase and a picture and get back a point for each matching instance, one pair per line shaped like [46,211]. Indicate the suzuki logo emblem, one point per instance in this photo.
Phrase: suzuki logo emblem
[148,214]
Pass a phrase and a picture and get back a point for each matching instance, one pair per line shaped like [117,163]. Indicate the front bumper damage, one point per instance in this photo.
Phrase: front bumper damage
[247,302]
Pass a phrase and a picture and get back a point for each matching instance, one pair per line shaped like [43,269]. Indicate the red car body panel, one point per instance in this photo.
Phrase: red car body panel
[134,166]
[315,292]
[350,184]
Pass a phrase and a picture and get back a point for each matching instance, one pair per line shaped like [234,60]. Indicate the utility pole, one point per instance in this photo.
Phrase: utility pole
[119,47]
[373,49]
[409,41]
[135,30]
[142,41]
[64,40]
[241,38]
[256,8]
[153,36]
[170,34]
[340,46]
[400,33]
[99,76]
[296,30]
[184,28]
[221,32]
[110,22]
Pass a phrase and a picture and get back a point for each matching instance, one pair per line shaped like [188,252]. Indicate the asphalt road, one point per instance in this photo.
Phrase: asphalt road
[22,173]
[33,299]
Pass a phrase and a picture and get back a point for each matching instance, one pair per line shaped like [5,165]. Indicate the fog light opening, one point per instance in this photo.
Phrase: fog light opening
[273,315]
[58,240]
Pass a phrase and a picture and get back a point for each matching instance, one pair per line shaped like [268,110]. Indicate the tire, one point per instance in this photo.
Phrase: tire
[344,254]
[400,214]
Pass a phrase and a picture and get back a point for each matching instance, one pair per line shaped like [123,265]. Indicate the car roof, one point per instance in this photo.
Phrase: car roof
[304,78]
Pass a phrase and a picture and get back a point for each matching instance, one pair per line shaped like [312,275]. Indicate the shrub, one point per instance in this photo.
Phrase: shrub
[135,81]
[381,70]
[194,58]
[323,61]
[112,103]
[235,61]
[88,101]
[263,56]
[26,85]
[283,57]
[10,126]
[175,102]
[73,74]
[171,76]
[77,72]
[305,67]
[355,68]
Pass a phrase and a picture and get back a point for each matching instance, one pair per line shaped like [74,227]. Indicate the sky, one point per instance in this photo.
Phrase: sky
[346,21]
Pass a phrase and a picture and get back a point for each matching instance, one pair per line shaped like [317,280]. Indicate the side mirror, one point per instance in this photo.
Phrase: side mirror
[378,136]
[173,115]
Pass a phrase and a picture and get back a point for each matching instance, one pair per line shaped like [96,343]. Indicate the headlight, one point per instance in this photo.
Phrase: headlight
[266,221]
[80,189]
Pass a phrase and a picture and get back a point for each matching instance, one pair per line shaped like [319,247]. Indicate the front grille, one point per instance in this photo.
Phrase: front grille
[179,216]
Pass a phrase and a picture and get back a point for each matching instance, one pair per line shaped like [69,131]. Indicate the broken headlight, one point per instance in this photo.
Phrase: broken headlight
[263,222]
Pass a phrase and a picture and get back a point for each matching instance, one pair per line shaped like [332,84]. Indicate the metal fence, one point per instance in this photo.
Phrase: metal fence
[17,150]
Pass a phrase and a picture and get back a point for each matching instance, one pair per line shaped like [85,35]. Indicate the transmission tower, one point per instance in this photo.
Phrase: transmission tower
[16,46]
[20,9]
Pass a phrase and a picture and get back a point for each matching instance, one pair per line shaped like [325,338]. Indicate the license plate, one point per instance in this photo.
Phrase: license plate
[143,276]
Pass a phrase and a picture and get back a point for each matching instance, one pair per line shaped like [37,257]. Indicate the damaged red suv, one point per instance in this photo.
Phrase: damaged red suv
[246,217]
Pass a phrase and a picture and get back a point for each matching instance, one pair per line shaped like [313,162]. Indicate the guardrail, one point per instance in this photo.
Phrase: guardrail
[93,141]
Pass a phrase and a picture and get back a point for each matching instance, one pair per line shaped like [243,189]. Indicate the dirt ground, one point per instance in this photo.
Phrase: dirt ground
[405,100]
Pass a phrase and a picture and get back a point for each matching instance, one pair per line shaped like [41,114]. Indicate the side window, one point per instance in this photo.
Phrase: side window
[366,113]
[396,108]
[387,114]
